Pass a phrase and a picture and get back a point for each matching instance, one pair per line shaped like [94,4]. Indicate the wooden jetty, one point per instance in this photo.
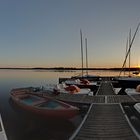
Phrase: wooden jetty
[104,122]
[105,119]
[106,89]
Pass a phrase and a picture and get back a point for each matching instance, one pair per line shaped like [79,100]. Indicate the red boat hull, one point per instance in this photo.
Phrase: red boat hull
[39,107]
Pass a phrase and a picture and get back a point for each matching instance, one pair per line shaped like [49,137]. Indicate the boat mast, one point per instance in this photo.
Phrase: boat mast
[81,50]
[129,48]
[126,53]
[86,56]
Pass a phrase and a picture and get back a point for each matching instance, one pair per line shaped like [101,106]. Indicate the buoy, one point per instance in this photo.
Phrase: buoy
[84,81]
[72,89]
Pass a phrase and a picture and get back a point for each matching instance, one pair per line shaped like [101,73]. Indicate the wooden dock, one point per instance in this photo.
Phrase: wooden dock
[106,89]
[104,122]
[105,119]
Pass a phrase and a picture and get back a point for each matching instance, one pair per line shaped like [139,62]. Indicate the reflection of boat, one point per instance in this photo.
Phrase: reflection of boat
[2,131]
[46,107]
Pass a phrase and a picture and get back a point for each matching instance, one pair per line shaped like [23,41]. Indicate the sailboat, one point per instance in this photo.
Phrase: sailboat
[129,81]
[85,76]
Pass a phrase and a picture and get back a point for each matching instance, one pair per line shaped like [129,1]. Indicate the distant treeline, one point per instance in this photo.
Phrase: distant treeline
[71,68]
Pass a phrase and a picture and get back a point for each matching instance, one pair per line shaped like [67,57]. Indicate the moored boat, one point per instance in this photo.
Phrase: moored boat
[2,131]
[136,72]
[87,76]
[128,82]
[137,107]
[44,106]
[68,89]
[79,82]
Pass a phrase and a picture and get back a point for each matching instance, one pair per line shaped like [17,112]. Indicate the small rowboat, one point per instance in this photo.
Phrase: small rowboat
[44,106]
[2,131]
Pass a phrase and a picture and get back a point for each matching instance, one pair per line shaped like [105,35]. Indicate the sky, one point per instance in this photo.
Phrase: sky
[46,33]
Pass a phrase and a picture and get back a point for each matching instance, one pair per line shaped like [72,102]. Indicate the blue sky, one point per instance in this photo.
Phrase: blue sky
[46,33]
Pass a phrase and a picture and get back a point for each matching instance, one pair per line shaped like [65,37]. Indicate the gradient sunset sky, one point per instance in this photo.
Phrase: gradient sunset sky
[46,33]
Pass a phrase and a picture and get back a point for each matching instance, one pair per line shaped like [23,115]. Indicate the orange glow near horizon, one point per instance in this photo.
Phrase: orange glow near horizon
[138,66]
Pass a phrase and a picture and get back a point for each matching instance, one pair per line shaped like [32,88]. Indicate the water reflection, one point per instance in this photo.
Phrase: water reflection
[38,128]
[24,126]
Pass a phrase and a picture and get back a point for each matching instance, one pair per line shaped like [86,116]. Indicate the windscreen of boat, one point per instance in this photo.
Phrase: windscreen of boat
[30,99]
[51,104]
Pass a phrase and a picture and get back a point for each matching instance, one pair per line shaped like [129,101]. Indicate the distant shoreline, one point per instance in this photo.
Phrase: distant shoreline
[66,69]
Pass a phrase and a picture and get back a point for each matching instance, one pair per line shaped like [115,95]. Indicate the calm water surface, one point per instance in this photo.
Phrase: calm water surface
[23,126]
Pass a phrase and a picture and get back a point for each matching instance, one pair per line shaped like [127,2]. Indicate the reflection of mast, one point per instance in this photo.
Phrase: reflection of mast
[86,56]
[81,50]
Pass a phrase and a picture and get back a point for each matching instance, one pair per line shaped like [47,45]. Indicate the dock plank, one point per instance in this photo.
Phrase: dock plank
[105,121]
[106,89]
[119,99]
[136,97]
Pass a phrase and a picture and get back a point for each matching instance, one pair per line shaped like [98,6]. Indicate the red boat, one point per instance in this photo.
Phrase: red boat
[46,107]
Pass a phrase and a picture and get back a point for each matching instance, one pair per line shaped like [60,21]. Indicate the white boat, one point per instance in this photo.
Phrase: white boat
[116,90]
[79,82]
[2,131]
[137,107]
[128,91]
[131,91]
[71,89]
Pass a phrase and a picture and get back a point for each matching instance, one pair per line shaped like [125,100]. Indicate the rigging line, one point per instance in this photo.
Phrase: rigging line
[126,53]
[129,48]
[81,50]
[86,56]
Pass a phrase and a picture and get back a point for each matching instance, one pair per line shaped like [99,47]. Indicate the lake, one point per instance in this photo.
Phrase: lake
[20,125]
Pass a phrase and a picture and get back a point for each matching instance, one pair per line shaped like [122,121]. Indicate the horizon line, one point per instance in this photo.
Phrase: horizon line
[71,68]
